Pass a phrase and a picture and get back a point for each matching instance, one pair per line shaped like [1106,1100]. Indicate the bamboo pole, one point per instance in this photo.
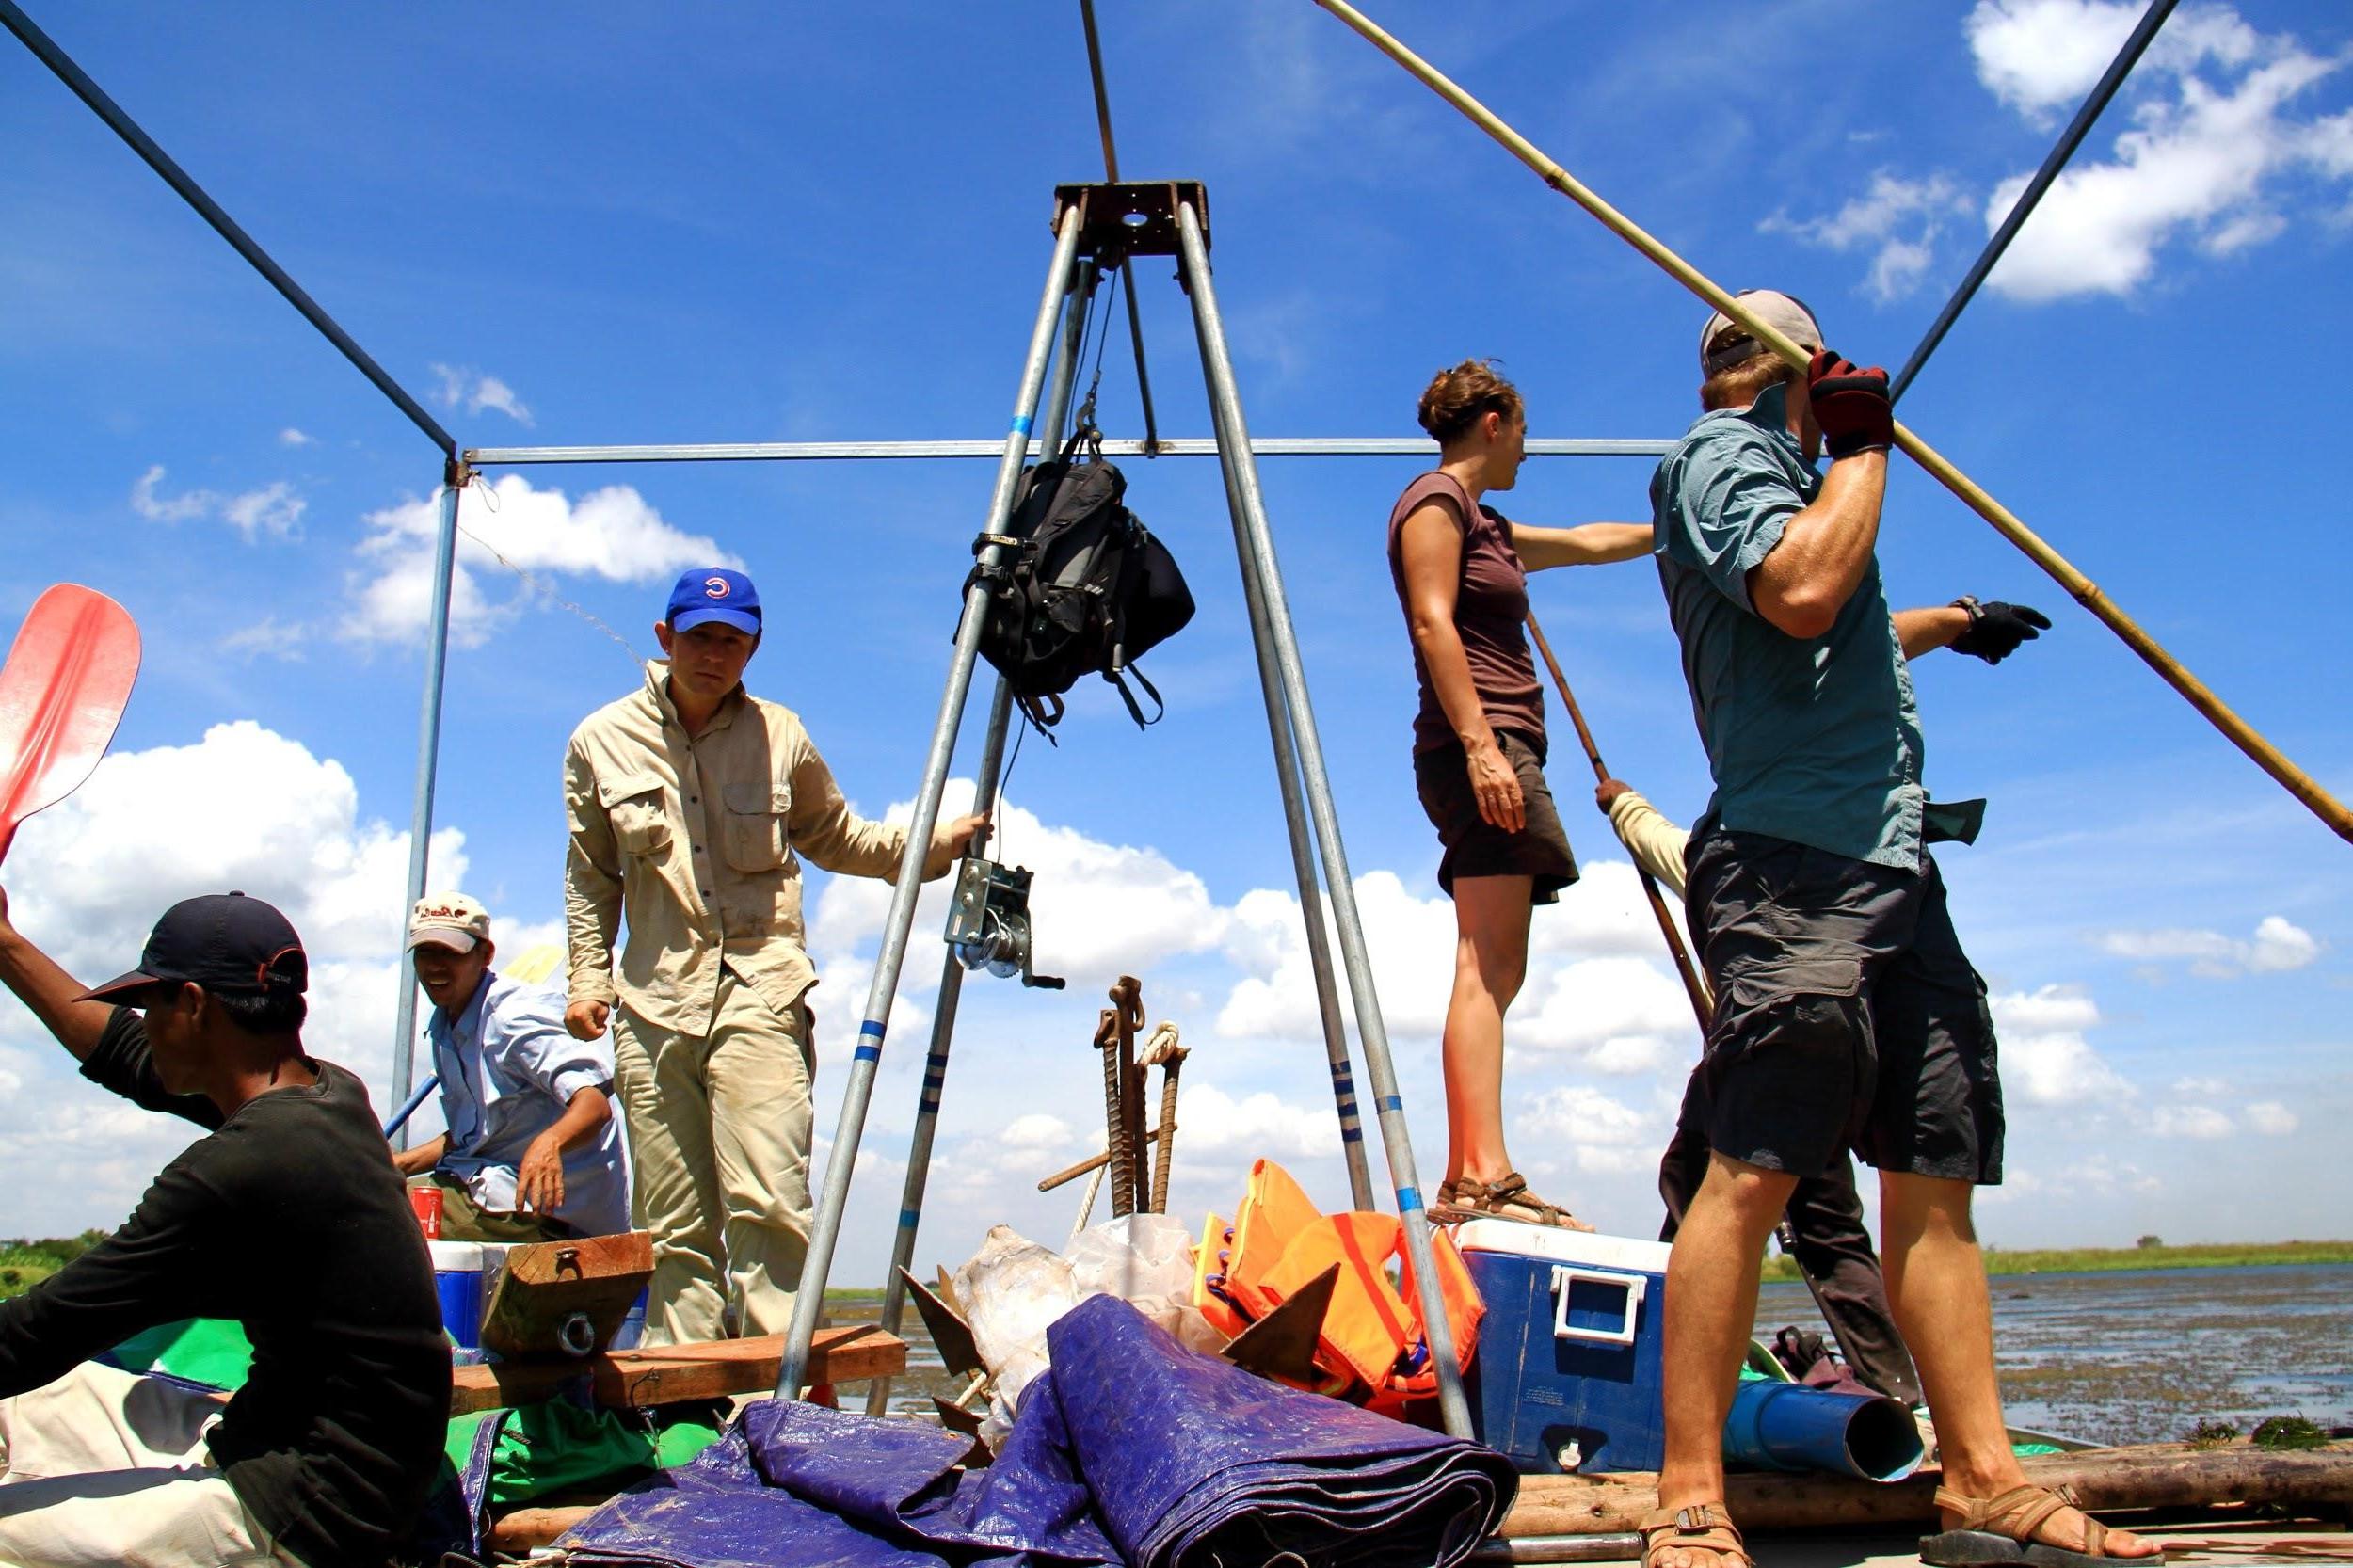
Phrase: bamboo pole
[1703,1006]
[2081,588]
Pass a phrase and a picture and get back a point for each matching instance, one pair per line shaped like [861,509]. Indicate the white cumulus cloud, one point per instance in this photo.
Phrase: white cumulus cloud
[1600,1133]
[2277,944]
[462,386]
[2220,147]
[613,532]
[1897,222]
[292,437]
[274,509]
[243,808]
[2046,1059]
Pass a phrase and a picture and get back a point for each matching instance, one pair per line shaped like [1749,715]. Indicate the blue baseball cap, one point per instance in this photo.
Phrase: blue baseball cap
[714,593]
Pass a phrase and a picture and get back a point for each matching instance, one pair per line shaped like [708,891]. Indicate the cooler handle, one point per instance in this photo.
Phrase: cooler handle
[1634,1286]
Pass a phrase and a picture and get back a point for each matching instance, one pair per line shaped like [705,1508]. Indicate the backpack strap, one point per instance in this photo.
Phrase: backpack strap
[1135,711]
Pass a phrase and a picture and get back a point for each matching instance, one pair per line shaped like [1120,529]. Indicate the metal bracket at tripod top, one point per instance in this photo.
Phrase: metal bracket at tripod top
[1136,218]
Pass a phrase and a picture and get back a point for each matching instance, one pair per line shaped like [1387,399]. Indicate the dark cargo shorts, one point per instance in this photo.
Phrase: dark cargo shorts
[1847,1015]
[1474,847]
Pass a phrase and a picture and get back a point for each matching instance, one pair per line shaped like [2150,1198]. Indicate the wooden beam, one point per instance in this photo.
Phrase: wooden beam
[2158,1476]
[676,1372]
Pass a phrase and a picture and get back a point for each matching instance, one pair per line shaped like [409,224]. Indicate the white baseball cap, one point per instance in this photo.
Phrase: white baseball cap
[1786,315]
[450,920]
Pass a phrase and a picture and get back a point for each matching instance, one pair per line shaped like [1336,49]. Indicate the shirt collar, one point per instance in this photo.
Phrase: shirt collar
[1771,413]
[658,689]
[469,1023]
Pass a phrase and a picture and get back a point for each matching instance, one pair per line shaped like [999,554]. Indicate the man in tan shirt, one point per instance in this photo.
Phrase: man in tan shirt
[691,804]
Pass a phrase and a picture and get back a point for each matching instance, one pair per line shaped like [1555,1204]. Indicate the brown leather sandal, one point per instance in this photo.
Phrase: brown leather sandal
[1699,1527]
[1507,1197]
[1996,1532]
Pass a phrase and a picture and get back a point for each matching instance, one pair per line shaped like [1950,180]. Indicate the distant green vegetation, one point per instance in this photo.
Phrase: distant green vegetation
[25,1264]
[2150,1253]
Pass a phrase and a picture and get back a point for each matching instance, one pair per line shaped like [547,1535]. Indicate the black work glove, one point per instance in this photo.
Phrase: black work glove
[1850,404]
[1997,629]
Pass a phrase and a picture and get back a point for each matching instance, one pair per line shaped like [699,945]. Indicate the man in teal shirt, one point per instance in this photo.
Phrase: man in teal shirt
[1847,1015]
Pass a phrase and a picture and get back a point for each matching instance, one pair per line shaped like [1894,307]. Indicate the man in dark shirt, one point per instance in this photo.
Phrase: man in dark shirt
[287,1218]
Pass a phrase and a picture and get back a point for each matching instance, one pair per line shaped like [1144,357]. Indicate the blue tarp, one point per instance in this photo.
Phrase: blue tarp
[1132,1450]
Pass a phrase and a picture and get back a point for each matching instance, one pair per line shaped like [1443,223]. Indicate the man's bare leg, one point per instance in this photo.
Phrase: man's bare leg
[1711,1305]
[1936,1284]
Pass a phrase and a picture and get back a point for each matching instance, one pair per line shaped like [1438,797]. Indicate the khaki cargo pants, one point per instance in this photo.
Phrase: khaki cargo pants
[719,1129]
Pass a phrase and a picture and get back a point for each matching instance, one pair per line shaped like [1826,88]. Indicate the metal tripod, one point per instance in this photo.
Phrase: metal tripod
[1097,227]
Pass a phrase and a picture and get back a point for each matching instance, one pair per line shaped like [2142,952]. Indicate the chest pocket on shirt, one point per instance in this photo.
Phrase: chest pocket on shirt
[754,825]
[632,803]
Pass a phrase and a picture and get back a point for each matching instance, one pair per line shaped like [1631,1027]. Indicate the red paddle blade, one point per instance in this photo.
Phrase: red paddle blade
[62,694]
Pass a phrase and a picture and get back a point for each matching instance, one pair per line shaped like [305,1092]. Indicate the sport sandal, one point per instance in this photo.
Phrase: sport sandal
[1700,1526]
[1996,1532]
[1507,1197]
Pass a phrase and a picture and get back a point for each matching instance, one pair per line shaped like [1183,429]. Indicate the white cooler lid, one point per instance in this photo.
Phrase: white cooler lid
[455,1258]
[1555,1245]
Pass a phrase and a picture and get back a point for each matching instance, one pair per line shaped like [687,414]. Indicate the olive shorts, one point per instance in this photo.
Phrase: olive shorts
[1474,847]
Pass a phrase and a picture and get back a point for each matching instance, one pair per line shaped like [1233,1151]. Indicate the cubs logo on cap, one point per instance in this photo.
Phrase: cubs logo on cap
[718,594]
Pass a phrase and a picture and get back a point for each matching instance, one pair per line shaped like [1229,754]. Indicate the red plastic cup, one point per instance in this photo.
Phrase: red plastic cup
[426,1202]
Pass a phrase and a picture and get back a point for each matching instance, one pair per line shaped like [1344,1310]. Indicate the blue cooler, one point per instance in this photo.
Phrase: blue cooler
[1567,1373]
[464,1274]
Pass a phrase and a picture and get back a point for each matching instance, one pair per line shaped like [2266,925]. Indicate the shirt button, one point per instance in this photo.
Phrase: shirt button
[693,800]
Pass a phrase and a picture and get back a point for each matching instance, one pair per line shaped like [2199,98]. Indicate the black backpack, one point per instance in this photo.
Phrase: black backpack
[1089,590]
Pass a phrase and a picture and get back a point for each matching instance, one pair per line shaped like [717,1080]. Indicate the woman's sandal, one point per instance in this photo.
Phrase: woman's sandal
[1507,1197]
[1700,1526]
[1996,1532]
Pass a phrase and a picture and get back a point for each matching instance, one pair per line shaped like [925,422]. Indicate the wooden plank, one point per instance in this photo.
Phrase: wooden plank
[2157,1476]
[675,1372]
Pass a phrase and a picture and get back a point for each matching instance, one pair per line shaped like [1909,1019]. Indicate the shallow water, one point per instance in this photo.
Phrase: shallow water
[2127,1358]
[2144,1356]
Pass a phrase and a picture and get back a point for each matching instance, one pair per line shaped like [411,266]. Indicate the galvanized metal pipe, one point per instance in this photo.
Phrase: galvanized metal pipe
[45,49]
[1056,415]
[809,1302]
[1254,541]
[1278,729]
[428,766]
[1167,446]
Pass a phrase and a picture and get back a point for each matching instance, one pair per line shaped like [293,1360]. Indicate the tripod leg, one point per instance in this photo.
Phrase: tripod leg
[1056,413]
[1256,545]
[1304,873]
[826,1231]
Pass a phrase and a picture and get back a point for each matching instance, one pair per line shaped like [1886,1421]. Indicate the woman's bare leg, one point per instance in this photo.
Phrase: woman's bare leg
[1491,920]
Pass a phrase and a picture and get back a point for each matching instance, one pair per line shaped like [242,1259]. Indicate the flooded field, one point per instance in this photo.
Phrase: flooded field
[2142,1358]
[2137,1357]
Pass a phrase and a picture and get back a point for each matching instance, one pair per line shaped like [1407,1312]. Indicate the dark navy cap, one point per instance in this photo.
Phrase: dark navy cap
[225,942]
[714,593]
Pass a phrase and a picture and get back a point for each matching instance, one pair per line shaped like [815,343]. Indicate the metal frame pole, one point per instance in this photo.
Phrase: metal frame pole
[1056,414]
[2118,70]
[1304,872]
[809,1302]
[1254,544]
[428,763]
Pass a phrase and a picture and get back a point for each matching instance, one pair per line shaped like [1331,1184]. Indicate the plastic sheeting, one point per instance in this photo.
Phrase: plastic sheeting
[1132,1450]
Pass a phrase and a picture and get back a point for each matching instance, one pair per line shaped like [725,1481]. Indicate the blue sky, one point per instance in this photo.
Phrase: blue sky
[828,222]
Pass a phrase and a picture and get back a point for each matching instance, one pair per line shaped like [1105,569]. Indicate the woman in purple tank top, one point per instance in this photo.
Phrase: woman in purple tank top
[1460,570]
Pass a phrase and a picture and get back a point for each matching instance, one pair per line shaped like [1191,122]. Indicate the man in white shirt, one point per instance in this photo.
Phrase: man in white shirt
[533,1152]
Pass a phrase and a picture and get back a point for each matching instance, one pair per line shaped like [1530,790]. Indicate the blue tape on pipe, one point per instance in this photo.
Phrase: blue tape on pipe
[872,1027]
[867,1053]
[907,1218]
[1020,425]
[1408,1199]
[1352,1135]
[1391,1102]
